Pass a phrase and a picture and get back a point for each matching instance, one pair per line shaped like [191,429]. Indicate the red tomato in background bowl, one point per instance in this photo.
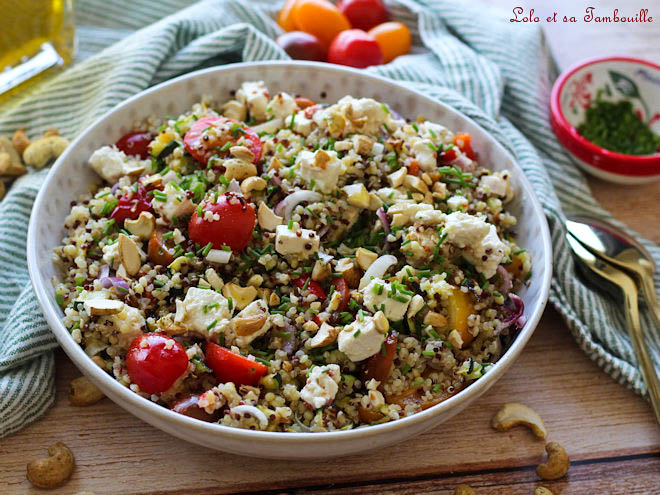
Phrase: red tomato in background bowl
[363,14]
[355,48]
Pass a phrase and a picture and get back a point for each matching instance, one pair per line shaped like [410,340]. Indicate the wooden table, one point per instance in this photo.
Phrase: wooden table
[608,431]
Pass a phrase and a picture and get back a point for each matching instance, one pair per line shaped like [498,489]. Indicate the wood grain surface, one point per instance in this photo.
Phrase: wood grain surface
[608,431]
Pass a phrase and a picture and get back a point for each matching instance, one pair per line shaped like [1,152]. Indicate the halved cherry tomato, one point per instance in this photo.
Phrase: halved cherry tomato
[313,286]
[379,365]
[131,205]
[284,17]
[231,367]
[303,102]
[363,14]
[355,48]
[394,39]
[320,18]
[154,363]
[135,143]
[464,142]
[233,228]
[157,249]
[342,287]
[188,407]
[449,156]
[209,136]
[413,167]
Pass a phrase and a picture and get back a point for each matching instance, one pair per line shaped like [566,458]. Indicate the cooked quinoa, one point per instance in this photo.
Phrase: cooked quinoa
[272,263]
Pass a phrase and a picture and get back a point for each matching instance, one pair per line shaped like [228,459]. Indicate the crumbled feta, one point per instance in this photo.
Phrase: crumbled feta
[457,203]
[177,203]
[282,105]
[299,123]
[360,339]
[403,213]
[482,246]
[365,115]
[203,311]
[322,386]
[497,185]
[255,96]
[426,157]
[379,295]
[296,241]
[320,166]
[112,164]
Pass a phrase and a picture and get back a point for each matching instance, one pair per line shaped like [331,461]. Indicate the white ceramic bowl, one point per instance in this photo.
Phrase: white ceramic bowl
[71,176]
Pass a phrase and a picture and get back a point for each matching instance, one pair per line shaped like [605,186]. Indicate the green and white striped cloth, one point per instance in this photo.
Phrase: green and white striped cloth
[473,59]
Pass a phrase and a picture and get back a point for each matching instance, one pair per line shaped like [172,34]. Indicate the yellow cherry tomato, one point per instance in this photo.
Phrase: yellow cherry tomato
[320,18]
[394,39]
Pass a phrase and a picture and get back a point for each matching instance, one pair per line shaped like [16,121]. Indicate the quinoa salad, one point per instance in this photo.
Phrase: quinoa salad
[267,262]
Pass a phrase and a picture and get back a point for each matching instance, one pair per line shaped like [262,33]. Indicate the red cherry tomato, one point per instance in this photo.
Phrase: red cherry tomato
[302,46]
[131,205]
[153,366]
[234,227]
[449,156]
[363,14]
[380,364]
[231,367]
[135,143]
[464,142]
[209,136]
[355,48]
[342,287]
[313,286]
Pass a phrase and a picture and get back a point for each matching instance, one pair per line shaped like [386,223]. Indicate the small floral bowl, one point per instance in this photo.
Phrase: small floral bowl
[616,78]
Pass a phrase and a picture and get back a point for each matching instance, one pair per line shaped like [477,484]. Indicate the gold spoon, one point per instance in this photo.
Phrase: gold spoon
[615,281]
[614,246]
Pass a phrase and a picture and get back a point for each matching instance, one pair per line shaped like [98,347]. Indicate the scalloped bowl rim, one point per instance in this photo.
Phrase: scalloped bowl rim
[146,409]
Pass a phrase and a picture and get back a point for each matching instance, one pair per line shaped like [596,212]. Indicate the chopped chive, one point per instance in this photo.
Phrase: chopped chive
[428,353]
[415,126]
[419,382]
[357,333]
[212,324]
[405,369]
[230,303]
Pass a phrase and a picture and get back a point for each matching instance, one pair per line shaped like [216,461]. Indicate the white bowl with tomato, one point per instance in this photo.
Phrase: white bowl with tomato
[70,177]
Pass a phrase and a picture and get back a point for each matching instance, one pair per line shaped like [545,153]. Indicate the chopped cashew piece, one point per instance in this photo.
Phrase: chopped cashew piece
[397,178]
[416,304]
[253,184]
[238,169]
[53,471]
[357,195]
[435,319]
[349,271]
[143,226]
[365,258]
[513,414]
[241,296]
[557,464]
[267,218]
[129,255]
[326,335]
[464,490]
[242,153]
[321,270]
[82,392]
[103,307]
[42,151]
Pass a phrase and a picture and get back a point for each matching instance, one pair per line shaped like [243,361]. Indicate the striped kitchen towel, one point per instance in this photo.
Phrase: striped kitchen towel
[469,57]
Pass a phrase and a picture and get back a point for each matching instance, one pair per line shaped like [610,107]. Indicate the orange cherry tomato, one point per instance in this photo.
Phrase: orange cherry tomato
[379,365]
[158,251]
[413,167]
[394,39]
[464,142]
[284,17]
[320,18]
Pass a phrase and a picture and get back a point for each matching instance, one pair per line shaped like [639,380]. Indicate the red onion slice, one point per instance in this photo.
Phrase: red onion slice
[120,285]
[506,279]
[384,219]
[516,317]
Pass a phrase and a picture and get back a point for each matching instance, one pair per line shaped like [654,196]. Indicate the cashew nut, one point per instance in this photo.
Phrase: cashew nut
[238,169]
[10,161]
[267,218]
[381,322]
[349,271]
[242,153]
[557,464]
[241,296]
[143,226]
[325,336]
[416,183]
[541,490]
[247,325]
[321,270]
[434,319]
[129,255]
[397,178]
[82,392]
[362,144]
[464,490]
[513,414]
[252,184]
[42,151]
[53,471]
[365,258]
[20,141]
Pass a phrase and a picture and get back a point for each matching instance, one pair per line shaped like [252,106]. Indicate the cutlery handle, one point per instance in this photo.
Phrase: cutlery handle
[651,298]
[635,331]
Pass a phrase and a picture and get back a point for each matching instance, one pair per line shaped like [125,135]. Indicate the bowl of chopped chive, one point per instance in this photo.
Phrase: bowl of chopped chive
[606,113]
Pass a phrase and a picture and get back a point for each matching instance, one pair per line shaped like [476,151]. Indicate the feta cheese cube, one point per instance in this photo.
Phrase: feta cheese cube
[177,203]
[298,241]
[282,105]
[299,124]
[255,96]
[379,295]
[465,230]
[320,166]
[203,311]
[423,152]
[360,339]
[457,203]
[322,386]
[112,164]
